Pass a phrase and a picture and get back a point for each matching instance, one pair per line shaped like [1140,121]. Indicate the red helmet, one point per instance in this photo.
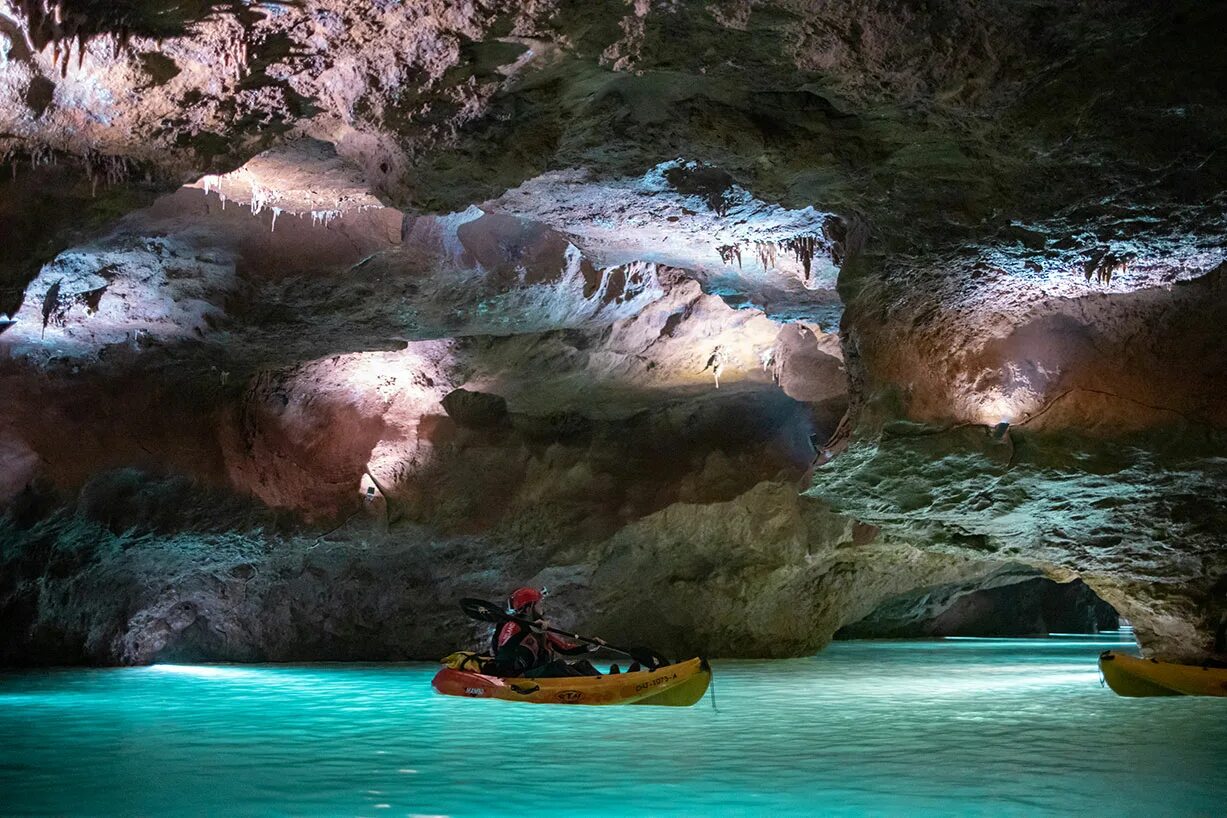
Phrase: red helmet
[523,597]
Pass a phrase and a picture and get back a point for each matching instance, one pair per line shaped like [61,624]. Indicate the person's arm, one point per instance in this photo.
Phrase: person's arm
[569,648]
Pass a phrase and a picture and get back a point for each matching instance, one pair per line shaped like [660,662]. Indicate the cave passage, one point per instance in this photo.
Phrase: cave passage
[860,361]
[1025,606]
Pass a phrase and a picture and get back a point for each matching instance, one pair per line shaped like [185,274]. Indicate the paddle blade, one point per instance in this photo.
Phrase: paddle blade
[648,657]
[482,611]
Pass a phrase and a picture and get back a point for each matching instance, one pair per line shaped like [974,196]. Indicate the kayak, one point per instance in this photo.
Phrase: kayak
[1130,676]
[677,685]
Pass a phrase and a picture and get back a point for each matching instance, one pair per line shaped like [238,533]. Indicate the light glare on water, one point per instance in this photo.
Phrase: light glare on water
[994,726]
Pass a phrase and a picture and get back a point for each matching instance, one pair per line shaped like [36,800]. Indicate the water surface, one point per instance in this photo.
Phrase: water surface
[1001,727]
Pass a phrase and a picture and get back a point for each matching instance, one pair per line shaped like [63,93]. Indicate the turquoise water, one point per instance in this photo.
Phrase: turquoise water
[984,726]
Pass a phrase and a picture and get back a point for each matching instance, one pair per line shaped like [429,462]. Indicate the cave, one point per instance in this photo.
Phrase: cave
[802,337]
[1006,605]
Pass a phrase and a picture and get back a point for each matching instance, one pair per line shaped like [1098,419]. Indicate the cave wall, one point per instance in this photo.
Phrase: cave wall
[530,282]
[143,569]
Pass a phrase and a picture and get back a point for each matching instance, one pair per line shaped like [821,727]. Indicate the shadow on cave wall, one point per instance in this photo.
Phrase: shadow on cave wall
[555,477]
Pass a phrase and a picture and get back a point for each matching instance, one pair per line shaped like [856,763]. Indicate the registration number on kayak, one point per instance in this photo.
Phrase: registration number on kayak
[475,691]
[659,680]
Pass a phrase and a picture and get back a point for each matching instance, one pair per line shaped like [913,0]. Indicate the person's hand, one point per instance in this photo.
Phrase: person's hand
[598,642]
[540,626]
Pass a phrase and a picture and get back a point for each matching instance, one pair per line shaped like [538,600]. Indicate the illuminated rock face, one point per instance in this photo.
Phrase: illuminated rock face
[748,316]
[144,570]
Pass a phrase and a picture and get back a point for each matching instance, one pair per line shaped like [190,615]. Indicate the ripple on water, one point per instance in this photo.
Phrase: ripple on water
[915,728]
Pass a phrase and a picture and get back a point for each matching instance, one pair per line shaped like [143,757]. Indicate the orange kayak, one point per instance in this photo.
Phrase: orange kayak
[1130,676]
[677,685]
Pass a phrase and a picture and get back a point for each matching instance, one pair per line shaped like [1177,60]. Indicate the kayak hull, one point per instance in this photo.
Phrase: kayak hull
[677,685]
[1130,676]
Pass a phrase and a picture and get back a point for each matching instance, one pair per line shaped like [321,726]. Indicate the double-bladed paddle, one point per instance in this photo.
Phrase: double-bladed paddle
[484,611]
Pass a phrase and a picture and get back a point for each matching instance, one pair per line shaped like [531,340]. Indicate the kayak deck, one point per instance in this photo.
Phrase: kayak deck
[677,685]
[1132,676]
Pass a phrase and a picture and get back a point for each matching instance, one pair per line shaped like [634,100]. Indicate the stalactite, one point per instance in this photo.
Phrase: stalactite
[324,217]
[111,170]
[46,23]
[728,252]
[259,198]
[262,198]
[803,247]
[766,254]
[1104,264]
[37,155]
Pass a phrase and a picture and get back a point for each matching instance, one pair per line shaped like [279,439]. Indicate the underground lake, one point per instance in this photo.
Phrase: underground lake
[924,727]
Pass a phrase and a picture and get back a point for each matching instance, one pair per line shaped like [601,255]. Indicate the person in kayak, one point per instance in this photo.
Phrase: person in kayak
[533,652]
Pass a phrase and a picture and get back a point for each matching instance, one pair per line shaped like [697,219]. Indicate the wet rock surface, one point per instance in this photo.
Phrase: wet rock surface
[752,315]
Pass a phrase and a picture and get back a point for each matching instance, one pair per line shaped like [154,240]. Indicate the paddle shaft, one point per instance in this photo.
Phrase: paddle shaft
[489,612]
[528,623]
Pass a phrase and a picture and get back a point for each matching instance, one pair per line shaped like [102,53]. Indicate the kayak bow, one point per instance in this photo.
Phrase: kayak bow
[1130,676]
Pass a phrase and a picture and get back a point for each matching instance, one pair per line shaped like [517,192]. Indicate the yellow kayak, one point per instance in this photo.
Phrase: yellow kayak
[677,685]
[1130,676]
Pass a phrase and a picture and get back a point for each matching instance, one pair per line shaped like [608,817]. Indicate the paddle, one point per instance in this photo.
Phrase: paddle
[489,612]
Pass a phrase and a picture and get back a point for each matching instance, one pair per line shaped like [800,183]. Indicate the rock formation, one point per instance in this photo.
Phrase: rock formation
[748,316]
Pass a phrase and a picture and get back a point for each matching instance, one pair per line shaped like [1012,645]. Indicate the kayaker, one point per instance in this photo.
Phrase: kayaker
[533,652]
